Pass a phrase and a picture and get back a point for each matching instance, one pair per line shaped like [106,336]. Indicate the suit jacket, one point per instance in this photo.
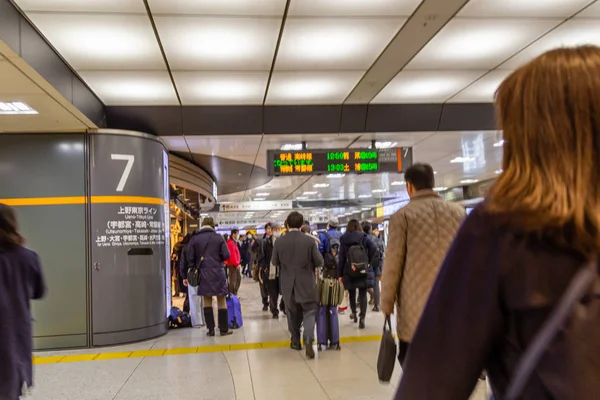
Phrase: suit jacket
[420,235]
[297,257]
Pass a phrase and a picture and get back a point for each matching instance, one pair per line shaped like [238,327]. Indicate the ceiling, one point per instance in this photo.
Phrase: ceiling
[278,52]
[19,82]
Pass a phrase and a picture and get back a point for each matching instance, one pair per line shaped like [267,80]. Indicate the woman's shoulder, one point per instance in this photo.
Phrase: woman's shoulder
[23,254]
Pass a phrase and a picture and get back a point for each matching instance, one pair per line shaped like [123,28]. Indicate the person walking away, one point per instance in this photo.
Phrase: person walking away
[518,252]
[193,303]
[297,256]
[325,237]
[208,250]
[246,255]
[233,263]
[377,263]
[420,235]
[21,280]
[306,230]
[357,253]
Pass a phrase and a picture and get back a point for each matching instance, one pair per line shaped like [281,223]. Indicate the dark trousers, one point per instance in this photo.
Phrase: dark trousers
[274,292]
[403,351]
[300,314]
[362,299]
[232,278]
[264,293]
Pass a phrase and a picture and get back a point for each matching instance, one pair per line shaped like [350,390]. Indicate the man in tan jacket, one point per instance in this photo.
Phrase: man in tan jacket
[419,237]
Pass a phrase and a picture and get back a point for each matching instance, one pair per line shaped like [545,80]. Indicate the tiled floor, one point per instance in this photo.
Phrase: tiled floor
[267,373]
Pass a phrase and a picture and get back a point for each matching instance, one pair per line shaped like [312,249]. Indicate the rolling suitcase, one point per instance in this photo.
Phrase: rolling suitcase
[234,311]
[328,327]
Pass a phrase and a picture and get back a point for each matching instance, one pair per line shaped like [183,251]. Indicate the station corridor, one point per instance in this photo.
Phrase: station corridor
[253,363]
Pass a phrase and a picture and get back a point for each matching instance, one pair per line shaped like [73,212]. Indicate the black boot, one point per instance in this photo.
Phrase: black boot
[209,316]
[224,322]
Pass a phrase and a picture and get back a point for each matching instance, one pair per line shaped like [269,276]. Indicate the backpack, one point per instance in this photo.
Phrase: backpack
[330,258]
[179,319]
[357,263]
[573,319]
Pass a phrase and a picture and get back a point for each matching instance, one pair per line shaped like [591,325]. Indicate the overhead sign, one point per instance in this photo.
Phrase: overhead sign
[256,206]
[332,161]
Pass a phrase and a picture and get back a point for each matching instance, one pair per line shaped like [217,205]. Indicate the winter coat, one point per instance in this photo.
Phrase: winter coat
[378,266]
[347,240]
[210,245]
[21,280]
[245,252]
[234,251]
[496,288]
[324,240]
[420,235]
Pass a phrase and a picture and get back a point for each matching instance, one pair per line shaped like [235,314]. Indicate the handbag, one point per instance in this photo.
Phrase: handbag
[194,271]
[387,352]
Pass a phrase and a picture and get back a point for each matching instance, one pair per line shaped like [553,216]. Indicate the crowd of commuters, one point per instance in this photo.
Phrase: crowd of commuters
[469,294]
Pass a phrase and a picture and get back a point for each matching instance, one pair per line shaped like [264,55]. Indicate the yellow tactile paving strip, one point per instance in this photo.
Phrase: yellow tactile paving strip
[44,360]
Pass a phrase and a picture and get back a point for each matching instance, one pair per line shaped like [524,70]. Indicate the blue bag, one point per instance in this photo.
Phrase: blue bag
[234,311]
[179,319]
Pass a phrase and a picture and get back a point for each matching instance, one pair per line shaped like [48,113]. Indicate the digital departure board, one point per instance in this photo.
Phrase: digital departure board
[338,161]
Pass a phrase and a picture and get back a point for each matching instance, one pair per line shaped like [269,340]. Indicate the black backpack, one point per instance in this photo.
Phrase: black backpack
[330,258]
[357,263]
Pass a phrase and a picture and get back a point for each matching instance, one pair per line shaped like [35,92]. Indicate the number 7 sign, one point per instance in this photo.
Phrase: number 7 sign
[130,160]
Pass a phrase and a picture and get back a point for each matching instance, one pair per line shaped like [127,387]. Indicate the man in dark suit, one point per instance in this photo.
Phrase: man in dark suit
[297,257]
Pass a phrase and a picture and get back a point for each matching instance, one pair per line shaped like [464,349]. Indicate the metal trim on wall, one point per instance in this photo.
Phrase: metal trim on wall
[120,132]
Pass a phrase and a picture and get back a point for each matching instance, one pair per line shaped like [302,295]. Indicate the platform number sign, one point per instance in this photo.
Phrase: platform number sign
[125,176]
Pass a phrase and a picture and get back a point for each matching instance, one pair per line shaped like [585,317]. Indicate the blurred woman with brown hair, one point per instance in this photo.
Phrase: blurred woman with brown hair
[21,280]
[516,254]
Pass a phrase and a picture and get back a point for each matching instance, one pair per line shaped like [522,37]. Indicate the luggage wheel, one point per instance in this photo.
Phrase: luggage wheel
[338,347]
[319,348]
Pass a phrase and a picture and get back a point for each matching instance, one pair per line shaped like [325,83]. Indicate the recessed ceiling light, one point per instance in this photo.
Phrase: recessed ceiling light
[310,193]
[16,108]
[366,209]
[332,176]
[469,181]
[462,160]
[365,196]
[321,185]
[440,188]
[385,145]
[377,190]
[499,143]
[259,199]
[262,194]
[499,171]
[291,146]
[398,183]
[302,198]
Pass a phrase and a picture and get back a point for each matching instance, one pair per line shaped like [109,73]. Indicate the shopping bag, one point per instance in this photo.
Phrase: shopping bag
[387,352]
[196,306]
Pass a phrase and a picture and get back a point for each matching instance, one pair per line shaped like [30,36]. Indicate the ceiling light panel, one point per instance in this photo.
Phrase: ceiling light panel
[297,88]
[123,88]
[483,90]
[102,41]
[212,7]
[426,86]
[466,43]
[221,88]
[120,6]
[353,8]
[522,8]
[572,33]
[210,43]
[334,44]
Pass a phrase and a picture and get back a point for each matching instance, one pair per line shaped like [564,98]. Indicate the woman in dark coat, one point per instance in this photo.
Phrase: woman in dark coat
[355,236]
[209,250]
[21,280]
